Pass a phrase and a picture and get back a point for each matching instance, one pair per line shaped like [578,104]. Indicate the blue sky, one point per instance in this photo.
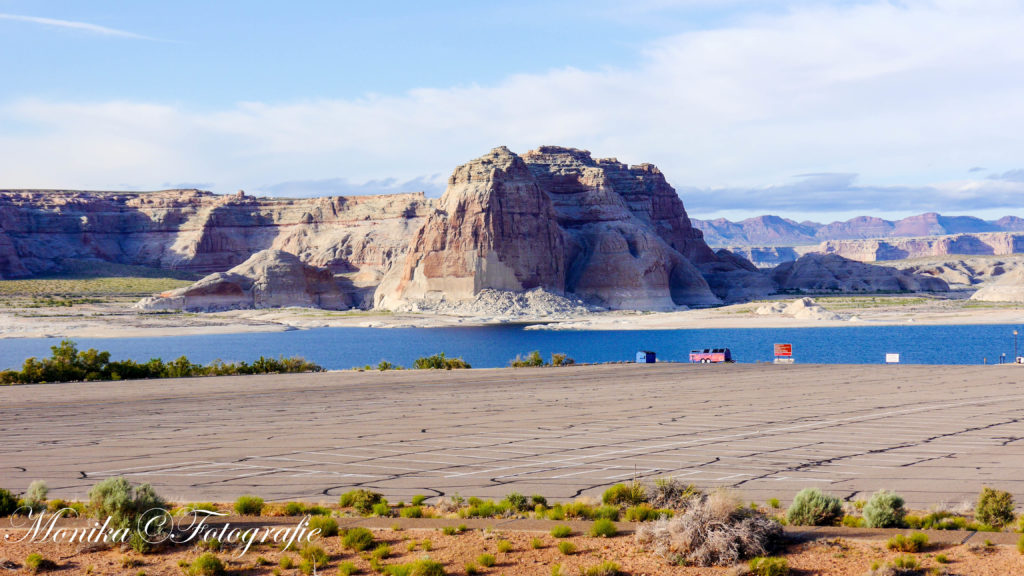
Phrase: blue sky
[816,110]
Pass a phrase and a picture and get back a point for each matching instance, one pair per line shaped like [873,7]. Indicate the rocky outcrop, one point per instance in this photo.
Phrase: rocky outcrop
[615,235]
[801,309]
[833,273]
[996,243]
[268,279]
[190,230]
[1008,288]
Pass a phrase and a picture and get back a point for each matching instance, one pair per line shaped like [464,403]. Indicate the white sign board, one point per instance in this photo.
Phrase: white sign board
[892,358]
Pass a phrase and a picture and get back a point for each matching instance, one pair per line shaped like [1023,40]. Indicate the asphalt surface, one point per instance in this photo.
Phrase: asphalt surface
[935,434]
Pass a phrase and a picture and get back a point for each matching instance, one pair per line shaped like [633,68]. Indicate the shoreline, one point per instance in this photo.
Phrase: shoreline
[116,320]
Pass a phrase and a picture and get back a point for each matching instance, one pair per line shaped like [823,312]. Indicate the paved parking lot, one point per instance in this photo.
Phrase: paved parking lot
[934,434]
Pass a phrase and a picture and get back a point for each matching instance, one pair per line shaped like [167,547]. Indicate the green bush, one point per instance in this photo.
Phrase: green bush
[538,500]
[995,507]
[633,494]
[206,565]
[762,566]
[561,531]
[36,494]
[294,509]
[357,539]
[606,512]
[853,521]
[533,359]
[517,502]
[411,512]
[774,503]
[418,499]
[328,526]
[67,364]
[8,503]
[606,568]
[812,507]
[603,528]
[1020,545]
[124,504]
[362,500]
[504,546]
[561,360]
[347,569]
[440,362]
[913,543]
[567,548]
[884,510]
[905,562]
[35,563]
[382,508]
[486,560]
[249,505]
[536,543]
[427,567]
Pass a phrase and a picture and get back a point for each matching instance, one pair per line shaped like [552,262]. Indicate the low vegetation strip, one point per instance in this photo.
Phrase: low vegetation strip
[68,364]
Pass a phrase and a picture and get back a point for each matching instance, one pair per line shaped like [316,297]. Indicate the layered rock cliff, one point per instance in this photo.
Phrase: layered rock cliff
[558,219]
[202,232]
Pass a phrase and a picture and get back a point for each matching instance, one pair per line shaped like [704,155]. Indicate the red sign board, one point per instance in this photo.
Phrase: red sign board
[784,350]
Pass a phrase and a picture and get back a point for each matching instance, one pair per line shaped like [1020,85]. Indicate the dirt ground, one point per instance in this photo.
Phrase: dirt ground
[839,557]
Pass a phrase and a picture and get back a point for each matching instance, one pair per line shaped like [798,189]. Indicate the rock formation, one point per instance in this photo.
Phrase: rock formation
[830,272]
[1008,288]
[268,279]
[557,219]
[801,309]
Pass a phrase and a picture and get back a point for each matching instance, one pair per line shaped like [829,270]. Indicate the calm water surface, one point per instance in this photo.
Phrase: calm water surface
[494,346]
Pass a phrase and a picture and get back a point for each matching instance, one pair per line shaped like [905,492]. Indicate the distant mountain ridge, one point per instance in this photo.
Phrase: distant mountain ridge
[770,230]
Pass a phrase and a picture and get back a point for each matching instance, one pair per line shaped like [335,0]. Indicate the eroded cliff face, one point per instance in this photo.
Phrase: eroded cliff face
[202,232]
[557,219]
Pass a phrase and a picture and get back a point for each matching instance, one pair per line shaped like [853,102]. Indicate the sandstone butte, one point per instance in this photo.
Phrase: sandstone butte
[555,218]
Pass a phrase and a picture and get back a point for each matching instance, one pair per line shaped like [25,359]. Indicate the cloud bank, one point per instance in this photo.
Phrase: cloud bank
[903,98]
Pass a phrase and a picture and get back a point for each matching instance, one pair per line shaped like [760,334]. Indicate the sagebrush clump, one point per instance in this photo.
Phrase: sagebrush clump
[124,504]
[715,530]
[812,507]
[440,362]
[249,505]
[995,507]
[884,510]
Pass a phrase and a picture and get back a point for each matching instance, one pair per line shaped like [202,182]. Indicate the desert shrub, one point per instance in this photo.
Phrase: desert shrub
[418,499]
[8,503]
[995,507]
[939,520]
[36,494]
[606,568]
[471,569]
[294,509]
[411,512]
[206,565]
[558,359]
[347,569]
[427,567]
[766,566]
[486,560]
[362,500]
[249,505]
[1020,545]
[449,531]
[504,546]
[567,548]
[384,365]
[905,562]
[328,526]
[439,362]
[532,359]
[517,502]
[672,493]
[812,507]
[357,539]
[538,500]
[714,530]
[631,494]
[35,563]
[774,503]
[561,531]
[942,559]
[557,512]
[913,543]
[381,508]
[884,510]
[286,562]
[124,504]
[605,512]
[853,521]
[313,557]
[536,543]
[603,528]
[579,510]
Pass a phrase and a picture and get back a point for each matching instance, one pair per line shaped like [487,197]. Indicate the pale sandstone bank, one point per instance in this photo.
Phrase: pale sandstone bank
[120,320]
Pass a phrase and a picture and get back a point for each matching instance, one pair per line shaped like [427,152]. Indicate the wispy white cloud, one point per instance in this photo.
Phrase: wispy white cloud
[909,96]
[85,26]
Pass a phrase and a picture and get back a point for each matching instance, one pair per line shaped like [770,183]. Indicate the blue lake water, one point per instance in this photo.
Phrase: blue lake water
[494,346]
